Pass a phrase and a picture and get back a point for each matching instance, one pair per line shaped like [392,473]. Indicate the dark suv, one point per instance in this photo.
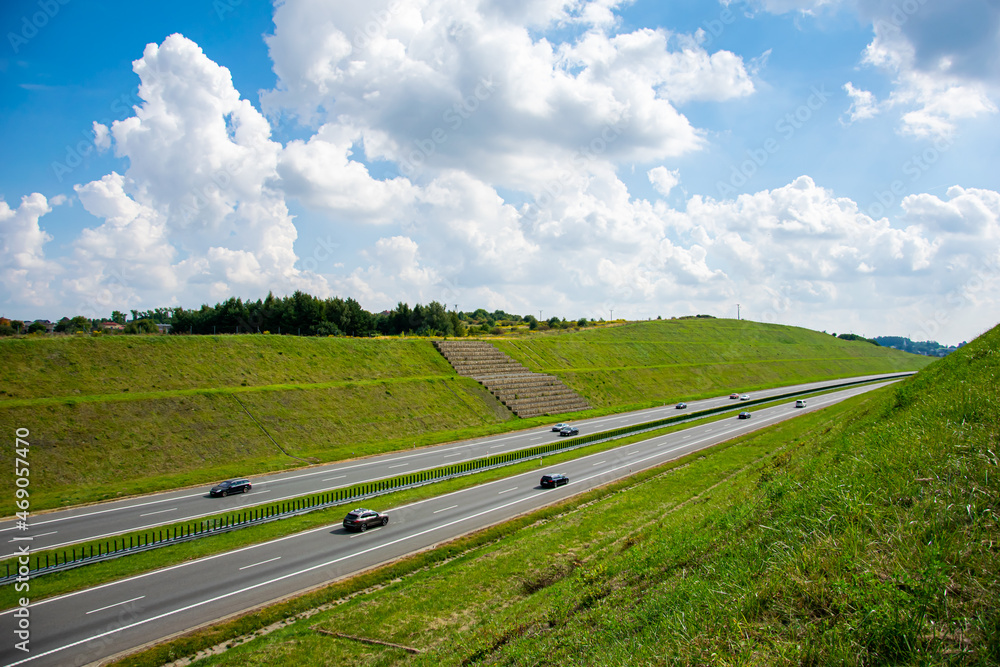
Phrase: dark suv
[552,481]
[223,489]
[363,519]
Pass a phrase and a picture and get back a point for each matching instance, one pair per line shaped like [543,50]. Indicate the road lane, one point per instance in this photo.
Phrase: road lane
[88,625]
[63,528]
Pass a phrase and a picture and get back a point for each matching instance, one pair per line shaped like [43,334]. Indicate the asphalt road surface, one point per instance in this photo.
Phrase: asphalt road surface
[92,624]
[105,520]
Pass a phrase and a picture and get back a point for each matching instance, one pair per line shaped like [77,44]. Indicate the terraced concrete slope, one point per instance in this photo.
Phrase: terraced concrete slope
[527,394]
[115,415]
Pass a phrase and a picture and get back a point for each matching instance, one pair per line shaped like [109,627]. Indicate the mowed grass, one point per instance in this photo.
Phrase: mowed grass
[92,450]
[111,416]
[865,534]
[666,360]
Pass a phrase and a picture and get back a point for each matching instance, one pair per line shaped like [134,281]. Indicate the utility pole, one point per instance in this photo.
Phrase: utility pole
[737,311]
[612,314]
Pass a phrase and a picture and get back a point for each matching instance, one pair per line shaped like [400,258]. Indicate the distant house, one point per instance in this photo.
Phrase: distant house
[49,326]
[114,326]
[164,328]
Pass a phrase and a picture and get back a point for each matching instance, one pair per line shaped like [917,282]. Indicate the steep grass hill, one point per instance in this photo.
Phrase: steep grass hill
[111,416]
[862,534]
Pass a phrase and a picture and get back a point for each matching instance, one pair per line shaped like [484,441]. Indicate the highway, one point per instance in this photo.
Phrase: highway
[70,526]
[89,625]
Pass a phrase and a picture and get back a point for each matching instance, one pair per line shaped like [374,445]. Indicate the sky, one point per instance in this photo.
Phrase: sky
[829,164]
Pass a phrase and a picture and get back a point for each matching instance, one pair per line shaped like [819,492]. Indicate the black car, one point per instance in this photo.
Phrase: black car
[681,406]
[552,481]
[223,489]
[362,519]
[569,430]
[744,415]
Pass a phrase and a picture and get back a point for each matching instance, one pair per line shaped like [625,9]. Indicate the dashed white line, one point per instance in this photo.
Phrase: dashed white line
[455,454]
[330,479]
[500,493]
[117,604]
[401,465]
[172,509]
[599,463]
[445,509]
[263,562]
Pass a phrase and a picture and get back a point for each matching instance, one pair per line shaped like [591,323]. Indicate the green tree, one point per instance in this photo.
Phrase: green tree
[144,326]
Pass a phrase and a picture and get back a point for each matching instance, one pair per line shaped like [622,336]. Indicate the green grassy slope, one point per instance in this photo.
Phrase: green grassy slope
[117,415]
[864,534]
[667,360]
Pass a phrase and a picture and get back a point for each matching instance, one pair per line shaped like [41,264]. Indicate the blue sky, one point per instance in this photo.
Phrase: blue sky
[823,163]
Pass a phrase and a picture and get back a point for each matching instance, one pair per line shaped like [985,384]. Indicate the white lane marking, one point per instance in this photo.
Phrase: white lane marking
[172,509]
[454,454]
[271,581]
[28,538]
[500,493]
[399,465]
[599,463]
[117,604]
[538,438]
[263,562]
[330,479]
[445,509]
[816,386]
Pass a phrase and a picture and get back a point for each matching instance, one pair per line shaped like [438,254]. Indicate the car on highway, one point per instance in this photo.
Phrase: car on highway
[744,415]
[801,403]
[552,481]
[569,430]
[559,427]
[362,519]
[745,397]
[681,406]
[223,489]
[734,395]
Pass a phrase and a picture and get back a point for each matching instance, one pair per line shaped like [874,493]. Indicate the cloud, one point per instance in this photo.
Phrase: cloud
[25,273]
[863,104]
[469,85]
[942,57]
[198,205]
[663,179]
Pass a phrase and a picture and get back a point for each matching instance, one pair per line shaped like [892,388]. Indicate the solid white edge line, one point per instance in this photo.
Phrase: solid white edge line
[292,574]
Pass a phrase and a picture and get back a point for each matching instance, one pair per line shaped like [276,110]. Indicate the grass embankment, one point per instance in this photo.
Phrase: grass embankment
[115,415]
[864,534]
[647,362]
[134,414]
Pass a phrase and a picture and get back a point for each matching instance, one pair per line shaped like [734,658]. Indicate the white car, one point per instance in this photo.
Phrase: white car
[800,403]
[559,427]
[745,397]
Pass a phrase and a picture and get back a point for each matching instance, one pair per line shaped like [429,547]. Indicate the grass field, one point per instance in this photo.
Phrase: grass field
[863,534]
[116,415]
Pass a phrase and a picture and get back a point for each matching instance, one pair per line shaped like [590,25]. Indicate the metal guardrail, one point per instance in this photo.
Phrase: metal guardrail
[50,561]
